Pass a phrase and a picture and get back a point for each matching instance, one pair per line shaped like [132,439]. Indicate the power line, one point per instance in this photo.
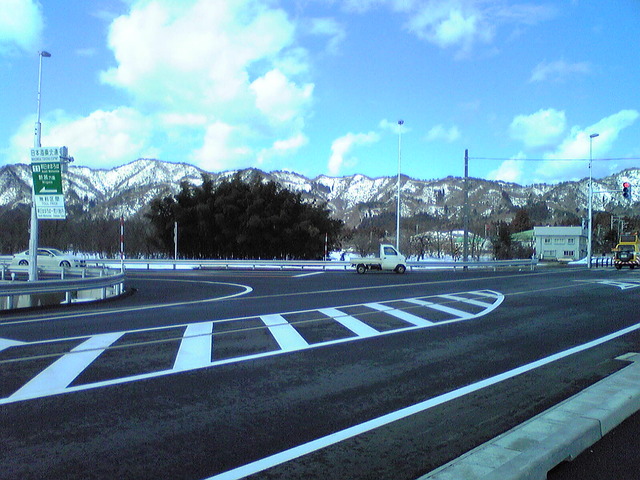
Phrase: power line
[554,159]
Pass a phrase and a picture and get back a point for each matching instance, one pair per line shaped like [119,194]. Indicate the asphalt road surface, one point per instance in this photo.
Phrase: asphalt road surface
[218,374]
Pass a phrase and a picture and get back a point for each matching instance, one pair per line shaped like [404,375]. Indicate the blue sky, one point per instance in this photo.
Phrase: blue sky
[318,86]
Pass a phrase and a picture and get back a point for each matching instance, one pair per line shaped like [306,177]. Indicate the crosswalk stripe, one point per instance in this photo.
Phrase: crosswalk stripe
[287,337]
[401,314]
[442,308]
[195,347]
[358,327]
[57,376]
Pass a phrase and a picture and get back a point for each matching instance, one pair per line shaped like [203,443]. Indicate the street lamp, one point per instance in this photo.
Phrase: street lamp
[33,237]
[400,123]
[590,236]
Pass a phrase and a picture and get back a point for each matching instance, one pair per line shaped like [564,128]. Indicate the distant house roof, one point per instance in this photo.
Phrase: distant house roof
[523,237]
[558,231]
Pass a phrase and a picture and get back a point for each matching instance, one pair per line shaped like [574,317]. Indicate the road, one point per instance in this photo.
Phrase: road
[216,374]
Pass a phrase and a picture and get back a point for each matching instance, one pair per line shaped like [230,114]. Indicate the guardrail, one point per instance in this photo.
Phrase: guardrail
[89,284]
[150,264]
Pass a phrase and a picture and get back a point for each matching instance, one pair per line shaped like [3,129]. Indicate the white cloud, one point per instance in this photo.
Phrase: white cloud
[540,129]
[194,51]
[222,148]
[440,133]
[329,28]
[576,146]
[460,24]
[226,72]
[183,119]
[21,25]
[341,148]
[558,70]
[290,144]
[509,171]
[102,139]
[279,99]
[281,148]
[449,24]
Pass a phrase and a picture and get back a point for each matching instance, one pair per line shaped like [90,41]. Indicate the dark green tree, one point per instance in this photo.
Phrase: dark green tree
[240,219]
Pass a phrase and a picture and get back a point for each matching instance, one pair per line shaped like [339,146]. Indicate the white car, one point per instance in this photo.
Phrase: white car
[48,257]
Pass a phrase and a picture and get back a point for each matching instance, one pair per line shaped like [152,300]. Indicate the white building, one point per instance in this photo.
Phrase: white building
[557,242]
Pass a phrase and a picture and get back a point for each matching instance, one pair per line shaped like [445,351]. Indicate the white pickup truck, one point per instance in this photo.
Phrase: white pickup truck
[389,259]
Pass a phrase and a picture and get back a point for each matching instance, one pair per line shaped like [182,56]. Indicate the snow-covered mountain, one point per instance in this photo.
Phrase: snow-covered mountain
[128,190]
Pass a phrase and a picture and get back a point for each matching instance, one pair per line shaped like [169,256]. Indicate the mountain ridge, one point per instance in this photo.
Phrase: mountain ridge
[128,189]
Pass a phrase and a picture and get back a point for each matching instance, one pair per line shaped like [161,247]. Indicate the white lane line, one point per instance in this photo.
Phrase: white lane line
[287,337]
[307,274]
[195,347]
[333,438]
[443,308]
[401,314]
[358,327]
[57,376]
[110,311]
[470,301]
[6,343]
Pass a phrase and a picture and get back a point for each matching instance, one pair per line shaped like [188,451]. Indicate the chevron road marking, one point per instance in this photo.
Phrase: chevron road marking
[443,308]
[401,314]
[358,327]
[197,343]
[287,337]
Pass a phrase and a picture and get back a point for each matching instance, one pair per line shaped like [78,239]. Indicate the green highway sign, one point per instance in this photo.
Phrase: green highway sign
[47,178]
[47,164]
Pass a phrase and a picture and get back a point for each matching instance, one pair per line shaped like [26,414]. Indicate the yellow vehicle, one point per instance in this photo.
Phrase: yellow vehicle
[627,252]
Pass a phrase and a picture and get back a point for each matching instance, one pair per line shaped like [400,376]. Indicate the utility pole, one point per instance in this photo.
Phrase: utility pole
[400,123]
[465,244]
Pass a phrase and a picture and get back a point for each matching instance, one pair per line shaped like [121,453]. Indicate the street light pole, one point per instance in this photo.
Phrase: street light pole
[33,235]
[400,123]
[590,236]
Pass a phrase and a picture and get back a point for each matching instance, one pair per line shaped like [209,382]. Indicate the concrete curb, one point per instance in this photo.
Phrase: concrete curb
[530,450]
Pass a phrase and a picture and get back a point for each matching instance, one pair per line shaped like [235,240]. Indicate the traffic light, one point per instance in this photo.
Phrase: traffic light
[626,190]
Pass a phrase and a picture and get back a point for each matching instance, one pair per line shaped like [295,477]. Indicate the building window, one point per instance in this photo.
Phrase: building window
[547,241]
[558,241]
[569,253]
[571,241]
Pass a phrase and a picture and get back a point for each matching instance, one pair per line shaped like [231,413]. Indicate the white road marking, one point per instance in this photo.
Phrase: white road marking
[620,285]
[307,274]
[358,327]
[62,372]
[193,357]
[6,343]
[470,301]
[339,436]
[287,337]
[110,311]
[195,347]
[401,314]
[443,308]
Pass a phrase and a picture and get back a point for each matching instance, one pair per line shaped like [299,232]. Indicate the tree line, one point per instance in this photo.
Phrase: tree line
[240,219]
